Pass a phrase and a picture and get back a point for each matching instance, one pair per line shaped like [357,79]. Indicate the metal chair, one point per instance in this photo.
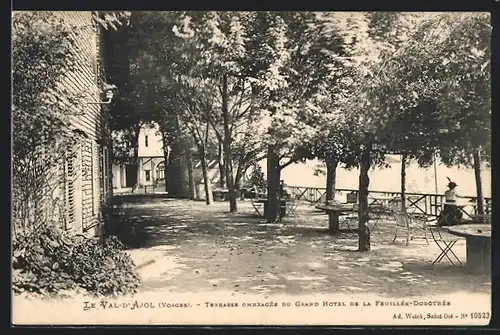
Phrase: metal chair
[291,206]
[418,221]
[402,221]
[347,220]
[257,206]
[376,214]
[408,222]
[443,240]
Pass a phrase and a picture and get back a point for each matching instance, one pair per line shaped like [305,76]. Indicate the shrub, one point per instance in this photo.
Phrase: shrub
[48,262]
[257,178]
[118,224]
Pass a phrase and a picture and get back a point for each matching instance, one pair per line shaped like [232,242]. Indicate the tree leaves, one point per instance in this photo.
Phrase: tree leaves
[433,81]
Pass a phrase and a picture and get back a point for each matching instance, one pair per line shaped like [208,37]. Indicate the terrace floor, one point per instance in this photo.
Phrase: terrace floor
[187,246]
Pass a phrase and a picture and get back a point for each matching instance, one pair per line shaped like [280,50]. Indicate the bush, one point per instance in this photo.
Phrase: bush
[47,262]
[257,179]
[118,224]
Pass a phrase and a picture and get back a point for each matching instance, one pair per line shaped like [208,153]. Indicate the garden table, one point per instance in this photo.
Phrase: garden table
[265,201]
[334,212]
[478,245]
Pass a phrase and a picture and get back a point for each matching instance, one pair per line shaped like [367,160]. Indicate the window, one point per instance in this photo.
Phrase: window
[160,171]
[146,140]
[148,175]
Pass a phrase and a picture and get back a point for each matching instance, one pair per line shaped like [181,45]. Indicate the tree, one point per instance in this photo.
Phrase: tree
[150,65]
[311,62]
[198,102]
[257,178]
[385,36]
[130,109]
[42,53]
[466,94]
[442,100]
[406,94]
[222,52]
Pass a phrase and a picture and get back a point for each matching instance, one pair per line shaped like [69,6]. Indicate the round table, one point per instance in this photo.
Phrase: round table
[478,244]
[334,211]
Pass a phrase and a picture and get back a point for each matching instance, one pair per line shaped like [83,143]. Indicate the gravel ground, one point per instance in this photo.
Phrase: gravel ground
[187,246]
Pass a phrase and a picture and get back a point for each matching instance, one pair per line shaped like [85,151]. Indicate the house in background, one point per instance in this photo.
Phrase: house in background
[151,169]
[129,177]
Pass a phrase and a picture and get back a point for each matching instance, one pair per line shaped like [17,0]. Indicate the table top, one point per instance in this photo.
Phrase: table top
[265,199]
[471,230]
[336,207]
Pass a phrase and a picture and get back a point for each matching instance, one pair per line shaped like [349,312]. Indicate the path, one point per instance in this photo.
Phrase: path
[200,248]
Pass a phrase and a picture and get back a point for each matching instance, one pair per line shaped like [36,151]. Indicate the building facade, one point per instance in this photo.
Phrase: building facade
[151,168]
[87,172]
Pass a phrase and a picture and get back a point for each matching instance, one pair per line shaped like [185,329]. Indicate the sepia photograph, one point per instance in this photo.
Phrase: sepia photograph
[251,168]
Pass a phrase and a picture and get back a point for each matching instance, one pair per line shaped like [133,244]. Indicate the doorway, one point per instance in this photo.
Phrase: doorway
[130,175]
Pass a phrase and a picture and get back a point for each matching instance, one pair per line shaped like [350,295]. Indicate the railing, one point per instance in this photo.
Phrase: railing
[427,203]
[145,189]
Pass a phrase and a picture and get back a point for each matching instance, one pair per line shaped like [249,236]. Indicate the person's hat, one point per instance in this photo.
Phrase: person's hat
[451,183]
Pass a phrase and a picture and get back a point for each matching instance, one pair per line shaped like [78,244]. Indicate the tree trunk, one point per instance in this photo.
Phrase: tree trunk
[222,169]
[331,176]
[177,174]
[273,179]
[192,186]
[364,183]
[165,158]
[227,148]
[403,197]
[403,182]
[206,180]
[479,182]
[136,158]
[240,170]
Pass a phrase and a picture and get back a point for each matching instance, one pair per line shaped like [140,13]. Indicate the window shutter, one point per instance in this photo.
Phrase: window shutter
[95,178]
[105,172]
[70,191]
[101,174]
[95,55]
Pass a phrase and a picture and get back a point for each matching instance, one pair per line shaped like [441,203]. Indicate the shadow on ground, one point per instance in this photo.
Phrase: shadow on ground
[196,247]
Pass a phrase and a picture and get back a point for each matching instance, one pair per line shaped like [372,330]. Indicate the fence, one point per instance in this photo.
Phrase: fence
[146,189]
[427,203]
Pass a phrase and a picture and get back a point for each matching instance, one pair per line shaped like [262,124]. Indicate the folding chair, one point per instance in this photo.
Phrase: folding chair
[291,206]
[376,214]
[418,221]
[402,223]
[351,218]
[409,222]
[444,241]
[257,206]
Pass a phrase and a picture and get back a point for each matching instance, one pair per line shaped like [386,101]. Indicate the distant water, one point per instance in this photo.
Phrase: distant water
[417,180]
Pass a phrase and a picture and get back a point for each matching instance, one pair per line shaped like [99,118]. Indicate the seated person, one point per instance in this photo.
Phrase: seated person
[451,215]
[282,192]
